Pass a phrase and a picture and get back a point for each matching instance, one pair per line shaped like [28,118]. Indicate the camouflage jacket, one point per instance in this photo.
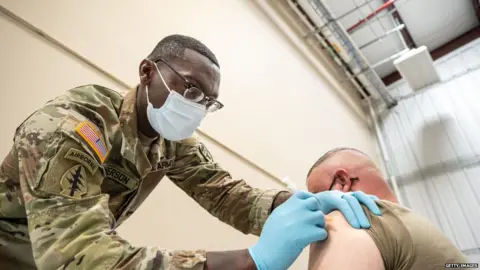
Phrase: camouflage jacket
[77,170]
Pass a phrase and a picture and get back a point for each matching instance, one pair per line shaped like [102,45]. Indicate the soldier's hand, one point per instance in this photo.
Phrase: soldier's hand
[289,229]
[349,204]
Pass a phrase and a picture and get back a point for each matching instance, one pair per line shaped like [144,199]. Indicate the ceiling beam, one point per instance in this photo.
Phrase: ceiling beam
[405,33]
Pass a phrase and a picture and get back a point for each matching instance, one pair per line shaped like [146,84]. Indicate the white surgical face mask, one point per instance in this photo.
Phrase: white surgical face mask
[178,118]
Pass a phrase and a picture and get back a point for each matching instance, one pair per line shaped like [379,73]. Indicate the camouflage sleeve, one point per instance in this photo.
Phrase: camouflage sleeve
[69,220]
[232,201]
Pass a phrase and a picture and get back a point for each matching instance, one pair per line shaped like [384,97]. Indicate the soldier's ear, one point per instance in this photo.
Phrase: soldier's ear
[145,71]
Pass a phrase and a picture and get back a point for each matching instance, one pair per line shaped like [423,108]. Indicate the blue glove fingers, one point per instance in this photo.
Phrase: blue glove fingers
[368,201]
[313,231]
[312,234]
[344,207]
[317,218]
[318,234]
[321,235]
[358,210]
[302,195]
[312,204]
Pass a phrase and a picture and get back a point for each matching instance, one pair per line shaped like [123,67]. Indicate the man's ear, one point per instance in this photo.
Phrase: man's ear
[343,180]
[145,71]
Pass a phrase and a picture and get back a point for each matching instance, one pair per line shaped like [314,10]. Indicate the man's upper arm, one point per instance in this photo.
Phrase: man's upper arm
[345,248]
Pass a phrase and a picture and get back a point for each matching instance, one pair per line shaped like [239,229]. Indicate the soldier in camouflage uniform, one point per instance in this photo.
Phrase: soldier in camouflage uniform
[86,160]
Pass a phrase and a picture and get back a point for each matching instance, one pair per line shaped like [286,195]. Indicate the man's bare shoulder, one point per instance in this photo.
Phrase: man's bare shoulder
[345,248]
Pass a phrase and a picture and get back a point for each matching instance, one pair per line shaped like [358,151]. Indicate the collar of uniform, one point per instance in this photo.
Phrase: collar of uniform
[131,147]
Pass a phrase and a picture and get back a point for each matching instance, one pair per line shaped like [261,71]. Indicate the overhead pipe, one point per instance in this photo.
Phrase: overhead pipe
[351,76]
[318,29]
[390,58]
[371,15]
[319,6]
[267,10]
[389,32]
[393,9]
[328,46]
[391,179]
[405,36]
[299,43]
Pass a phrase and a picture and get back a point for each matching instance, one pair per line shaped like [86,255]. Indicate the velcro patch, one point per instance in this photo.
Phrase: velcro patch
[165,163]
[205,153]
[87,131]
[119,176]
[74,182]
[83,158]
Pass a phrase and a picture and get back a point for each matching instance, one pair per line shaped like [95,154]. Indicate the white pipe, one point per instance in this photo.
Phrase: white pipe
[386,34]
[390,58]
[270,12]
[309,56]
[400,36]
[391,179]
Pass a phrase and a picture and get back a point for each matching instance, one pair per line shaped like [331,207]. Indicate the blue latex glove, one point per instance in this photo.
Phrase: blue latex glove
[349,204]
[288,230]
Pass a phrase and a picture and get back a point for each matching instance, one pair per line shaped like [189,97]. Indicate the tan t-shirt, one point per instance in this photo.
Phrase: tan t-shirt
[406,240]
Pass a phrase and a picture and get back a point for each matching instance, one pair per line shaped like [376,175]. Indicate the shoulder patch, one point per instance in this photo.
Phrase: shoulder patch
[73,182]
[89,134]
[120,176]
[83,158]
[205,153]
[165,163]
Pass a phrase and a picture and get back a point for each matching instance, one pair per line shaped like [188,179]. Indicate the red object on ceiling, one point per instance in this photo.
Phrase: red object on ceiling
[371,15]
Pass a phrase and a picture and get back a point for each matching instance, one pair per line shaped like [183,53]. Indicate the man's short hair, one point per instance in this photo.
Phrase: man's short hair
[329,154]
[175,45]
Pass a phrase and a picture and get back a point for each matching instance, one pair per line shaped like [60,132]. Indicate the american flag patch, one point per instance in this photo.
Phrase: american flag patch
[88,133]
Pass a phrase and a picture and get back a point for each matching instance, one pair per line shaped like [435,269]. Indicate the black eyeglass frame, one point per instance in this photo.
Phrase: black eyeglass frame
[205,100]
[337,177]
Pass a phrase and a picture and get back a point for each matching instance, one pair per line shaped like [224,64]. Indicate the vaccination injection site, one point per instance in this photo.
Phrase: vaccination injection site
[240,135]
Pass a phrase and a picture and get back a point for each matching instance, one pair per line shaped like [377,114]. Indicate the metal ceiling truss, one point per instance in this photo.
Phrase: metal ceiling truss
[344,51]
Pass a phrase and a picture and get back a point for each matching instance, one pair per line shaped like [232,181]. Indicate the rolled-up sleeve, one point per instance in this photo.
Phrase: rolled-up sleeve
[231,201]
[261,209]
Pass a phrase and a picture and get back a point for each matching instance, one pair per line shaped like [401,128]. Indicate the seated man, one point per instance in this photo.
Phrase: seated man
[399,239]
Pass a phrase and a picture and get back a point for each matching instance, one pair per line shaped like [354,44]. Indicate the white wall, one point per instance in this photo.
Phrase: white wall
[263,77]
[433,137]
[279,112]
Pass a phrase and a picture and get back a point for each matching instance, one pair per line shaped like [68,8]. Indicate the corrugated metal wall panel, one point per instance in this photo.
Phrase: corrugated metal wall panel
[434,138]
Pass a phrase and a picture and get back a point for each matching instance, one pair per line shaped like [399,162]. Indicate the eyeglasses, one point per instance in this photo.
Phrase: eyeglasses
[337,177]
[194,93]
